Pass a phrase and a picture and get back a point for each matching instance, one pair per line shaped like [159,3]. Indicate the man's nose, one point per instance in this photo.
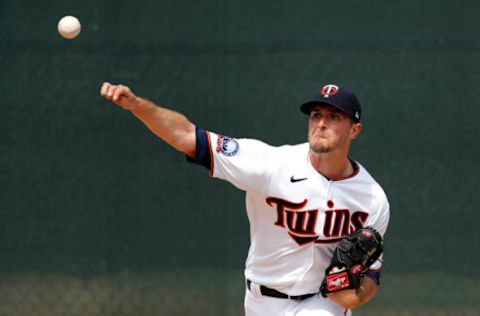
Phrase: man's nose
[322,123]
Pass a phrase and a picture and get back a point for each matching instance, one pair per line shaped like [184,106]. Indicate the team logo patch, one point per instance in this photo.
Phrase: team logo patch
[227,146]
[337,281]
[329,90]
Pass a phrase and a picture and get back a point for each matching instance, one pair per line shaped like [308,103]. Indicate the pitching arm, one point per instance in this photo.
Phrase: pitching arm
[172,127]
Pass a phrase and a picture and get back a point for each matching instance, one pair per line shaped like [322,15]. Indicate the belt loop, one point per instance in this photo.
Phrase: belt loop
[254,288]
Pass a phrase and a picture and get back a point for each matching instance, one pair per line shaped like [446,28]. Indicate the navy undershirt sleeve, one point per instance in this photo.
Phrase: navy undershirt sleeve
[202,154]
[374,275]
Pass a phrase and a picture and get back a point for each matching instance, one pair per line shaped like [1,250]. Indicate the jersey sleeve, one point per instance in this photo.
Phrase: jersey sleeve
[242,162]
[246,163]
[380,222]
[202,149]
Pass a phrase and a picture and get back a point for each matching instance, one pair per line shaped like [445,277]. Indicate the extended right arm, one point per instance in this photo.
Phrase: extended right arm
[247,168]
[172,127]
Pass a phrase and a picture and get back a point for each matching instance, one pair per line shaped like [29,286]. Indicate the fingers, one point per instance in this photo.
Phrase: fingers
[120,90]
[107,90]
[114,92]
[120,95]
[103,89]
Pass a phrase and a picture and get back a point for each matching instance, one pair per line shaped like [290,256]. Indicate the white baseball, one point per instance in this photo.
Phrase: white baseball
[69,27]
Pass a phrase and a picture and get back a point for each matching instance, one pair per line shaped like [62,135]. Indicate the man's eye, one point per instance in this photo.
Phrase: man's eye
[335,117]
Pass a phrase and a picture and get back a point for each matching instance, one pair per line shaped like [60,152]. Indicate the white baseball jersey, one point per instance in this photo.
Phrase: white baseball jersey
[297,216]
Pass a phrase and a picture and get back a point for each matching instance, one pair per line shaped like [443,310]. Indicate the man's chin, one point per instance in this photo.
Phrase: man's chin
[320,149]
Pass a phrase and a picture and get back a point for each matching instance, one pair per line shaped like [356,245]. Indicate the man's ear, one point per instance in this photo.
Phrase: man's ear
[355,130]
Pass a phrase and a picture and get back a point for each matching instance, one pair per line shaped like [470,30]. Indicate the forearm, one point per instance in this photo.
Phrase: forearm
[172,127]
[354,298]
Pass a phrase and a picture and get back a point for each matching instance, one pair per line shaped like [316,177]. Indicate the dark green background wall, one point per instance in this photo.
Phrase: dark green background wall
[99,217]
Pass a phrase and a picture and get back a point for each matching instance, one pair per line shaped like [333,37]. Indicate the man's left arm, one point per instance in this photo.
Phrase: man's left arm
[349,279]
[355,297]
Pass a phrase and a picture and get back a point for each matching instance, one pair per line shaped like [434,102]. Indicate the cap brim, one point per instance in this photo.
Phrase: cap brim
[307,107]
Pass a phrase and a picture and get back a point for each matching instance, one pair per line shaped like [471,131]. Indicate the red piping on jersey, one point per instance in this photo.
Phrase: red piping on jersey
[355,165]
[356,170]
[210,153]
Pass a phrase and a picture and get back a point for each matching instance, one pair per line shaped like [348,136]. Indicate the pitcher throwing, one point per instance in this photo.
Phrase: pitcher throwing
[317,217]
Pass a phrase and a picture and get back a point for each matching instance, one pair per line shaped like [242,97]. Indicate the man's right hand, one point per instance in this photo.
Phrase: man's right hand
[120,95]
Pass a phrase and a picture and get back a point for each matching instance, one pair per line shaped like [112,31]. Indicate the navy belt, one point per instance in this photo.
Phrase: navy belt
[266,291]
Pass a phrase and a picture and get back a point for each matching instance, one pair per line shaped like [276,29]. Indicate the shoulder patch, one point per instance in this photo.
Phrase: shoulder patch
[227,146]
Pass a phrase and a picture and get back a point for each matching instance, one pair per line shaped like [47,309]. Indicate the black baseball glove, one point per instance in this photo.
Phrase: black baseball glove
[352,257]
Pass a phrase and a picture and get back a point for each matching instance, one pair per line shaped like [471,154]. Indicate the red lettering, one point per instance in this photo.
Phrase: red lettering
[342,222]
[281,206]
[339,223]
[358,221]
[302,223]
[327,225]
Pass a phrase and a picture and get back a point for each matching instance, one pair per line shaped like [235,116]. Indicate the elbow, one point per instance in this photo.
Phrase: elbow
[186,142]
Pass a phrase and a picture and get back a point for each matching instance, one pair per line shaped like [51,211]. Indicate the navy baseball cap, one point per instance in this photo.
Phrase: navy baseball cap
[339,97]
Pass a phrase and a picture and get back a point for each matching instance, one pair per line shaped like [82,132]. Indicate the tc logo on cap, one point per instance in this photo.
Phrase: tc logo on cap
[329,90]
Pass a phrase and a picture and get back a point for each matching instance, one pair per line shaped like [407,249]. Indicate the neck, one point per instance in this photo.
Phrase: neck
[334,166]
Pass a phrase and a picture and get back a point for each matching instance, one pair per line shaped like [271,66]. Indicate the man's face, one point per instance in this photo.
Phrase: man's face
[330,129]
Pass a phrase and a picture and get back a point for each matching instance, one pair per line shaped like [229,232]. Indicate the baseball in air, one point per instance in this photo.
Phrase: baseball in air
[69,27]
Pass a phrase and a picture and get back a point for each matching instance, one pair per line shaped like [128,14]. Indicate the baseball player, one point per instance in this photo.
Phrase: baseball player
[302,202]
